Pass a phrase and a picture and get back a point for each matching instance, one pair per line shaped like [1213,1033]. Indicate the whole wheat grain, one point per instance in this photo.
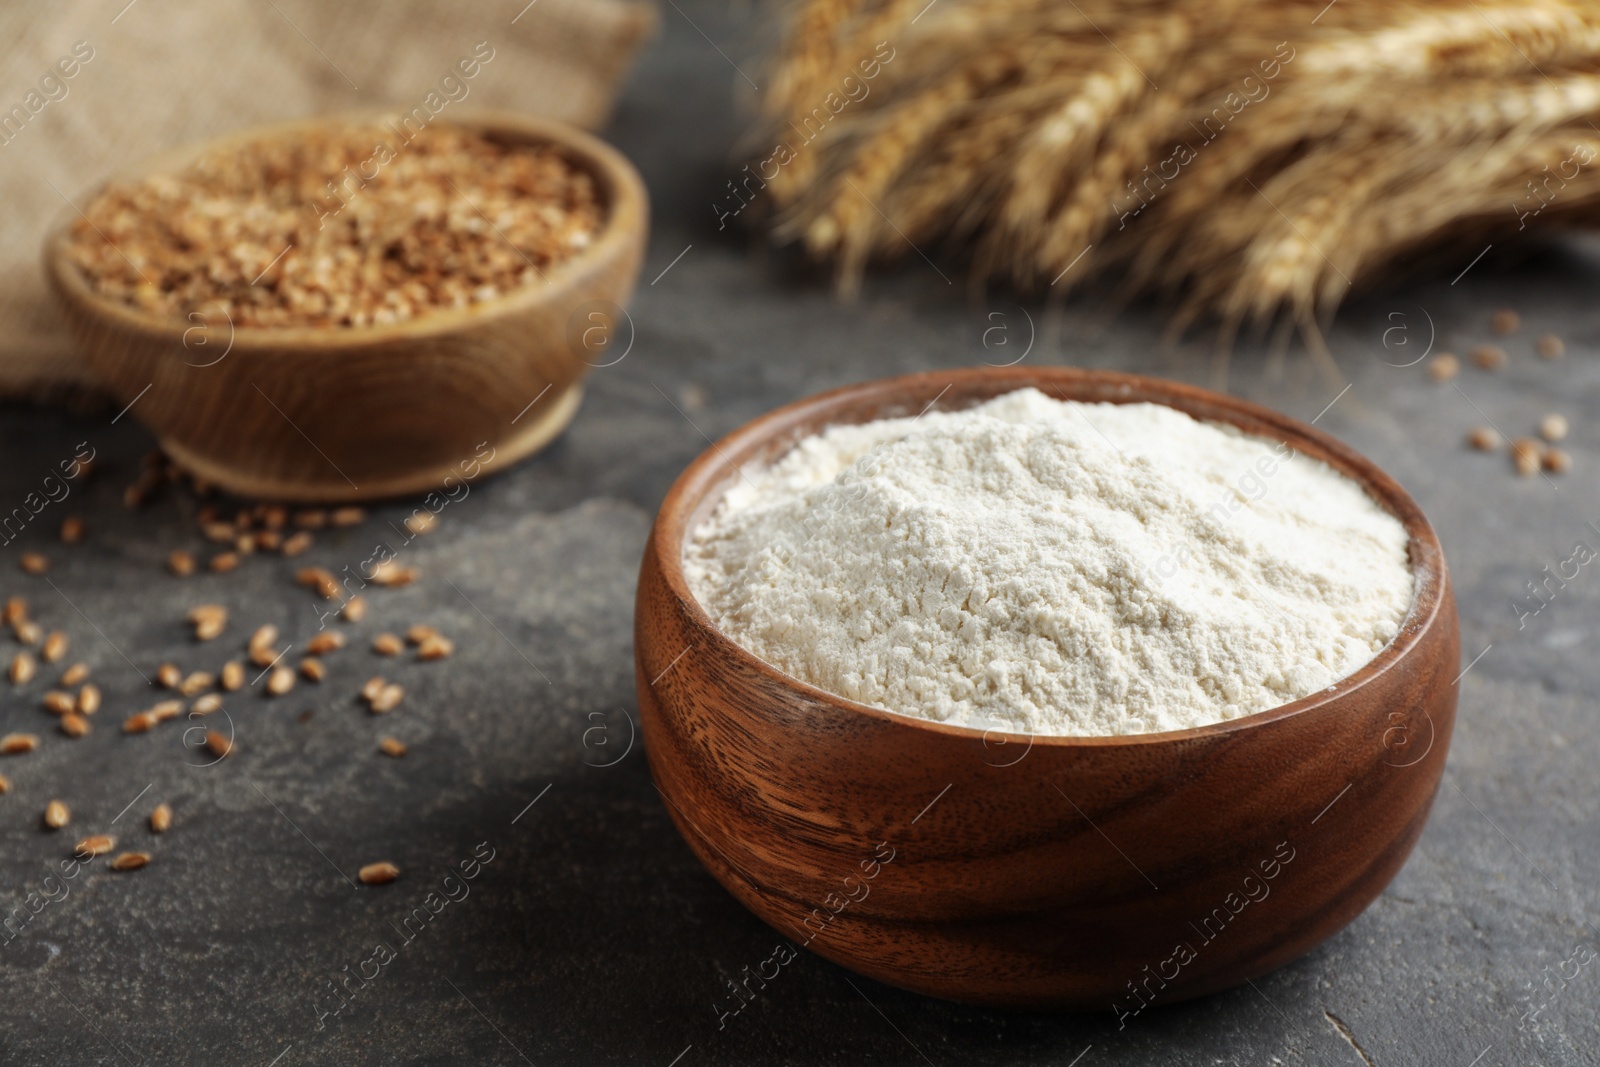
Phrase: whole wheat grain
[256,234]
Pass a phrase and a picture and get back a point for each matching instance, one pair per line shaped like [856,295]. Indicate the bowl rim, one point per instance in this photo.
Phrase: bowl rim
[1430,575]
[621,185]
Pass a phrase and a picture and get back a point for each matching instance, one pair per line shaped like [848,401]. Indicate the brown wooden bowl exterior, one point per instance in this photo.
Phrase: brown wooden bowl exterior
[366,412]
[1048,872]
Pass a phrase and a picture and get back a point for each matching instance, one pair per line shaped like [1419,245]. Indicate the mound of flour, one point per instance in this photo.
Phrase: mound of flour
[1054,567]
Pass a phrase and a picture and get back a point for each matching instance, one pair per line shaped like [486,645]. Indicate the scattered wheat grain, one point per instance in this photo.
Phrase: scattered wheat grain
[436,647]
[319,579]
[196,683]
[139,722]
[95,845]
[325,642]
[1527,455]
[56,815]
[1489,357]
[393,575]
[1443,367]
[388,699]
[379,873]
[280,681]
[207,613]
[264,637]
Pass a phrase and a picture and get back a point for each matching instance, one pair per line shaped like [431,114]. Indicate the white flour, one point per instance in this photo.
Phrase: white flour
[1054,567]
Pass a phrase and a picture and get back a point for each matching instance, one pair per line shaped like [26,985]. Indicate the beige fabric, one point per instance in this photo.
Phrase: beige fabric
[163,73]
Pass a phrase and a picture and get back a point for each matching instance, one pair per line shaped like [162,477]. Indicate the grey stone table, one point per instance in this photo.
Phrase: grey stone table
[589,934]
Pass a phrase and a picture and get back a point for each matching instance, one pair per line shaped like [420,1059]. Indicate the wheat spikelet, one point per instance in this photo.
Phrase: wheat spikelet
[1236,158]
[1086,212]
[857,220]
[1306,254]
[1074,127]
[1464,39]
[1491,191]
[815,53]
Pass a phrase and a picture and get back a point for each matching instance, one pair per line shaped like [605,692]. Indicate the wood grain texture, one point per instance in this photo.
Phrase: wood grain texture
[360,413]
[1076,873]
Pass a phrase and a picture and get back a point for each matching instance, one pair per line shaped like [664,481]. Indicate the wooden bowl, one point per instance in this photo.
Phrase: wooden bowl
[359,413]
[1057,872]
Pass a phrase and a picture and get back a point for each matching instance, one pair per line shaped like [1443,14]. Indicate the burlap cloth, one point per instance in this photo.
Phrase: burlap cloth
[164,73]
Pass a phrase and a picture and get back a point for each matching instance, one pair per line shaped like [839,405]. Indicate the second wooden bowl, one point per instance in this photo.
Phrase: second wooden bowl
[1063,872]
[360,413]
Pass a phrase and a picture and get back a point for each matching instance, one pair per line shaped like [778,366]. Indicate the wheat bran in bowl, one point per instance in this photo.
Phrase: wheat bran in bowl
[351,224]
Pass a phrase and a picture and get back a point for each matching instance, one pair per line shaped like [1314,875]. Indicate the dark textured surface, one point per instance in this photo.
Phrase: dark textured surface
[593,936]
